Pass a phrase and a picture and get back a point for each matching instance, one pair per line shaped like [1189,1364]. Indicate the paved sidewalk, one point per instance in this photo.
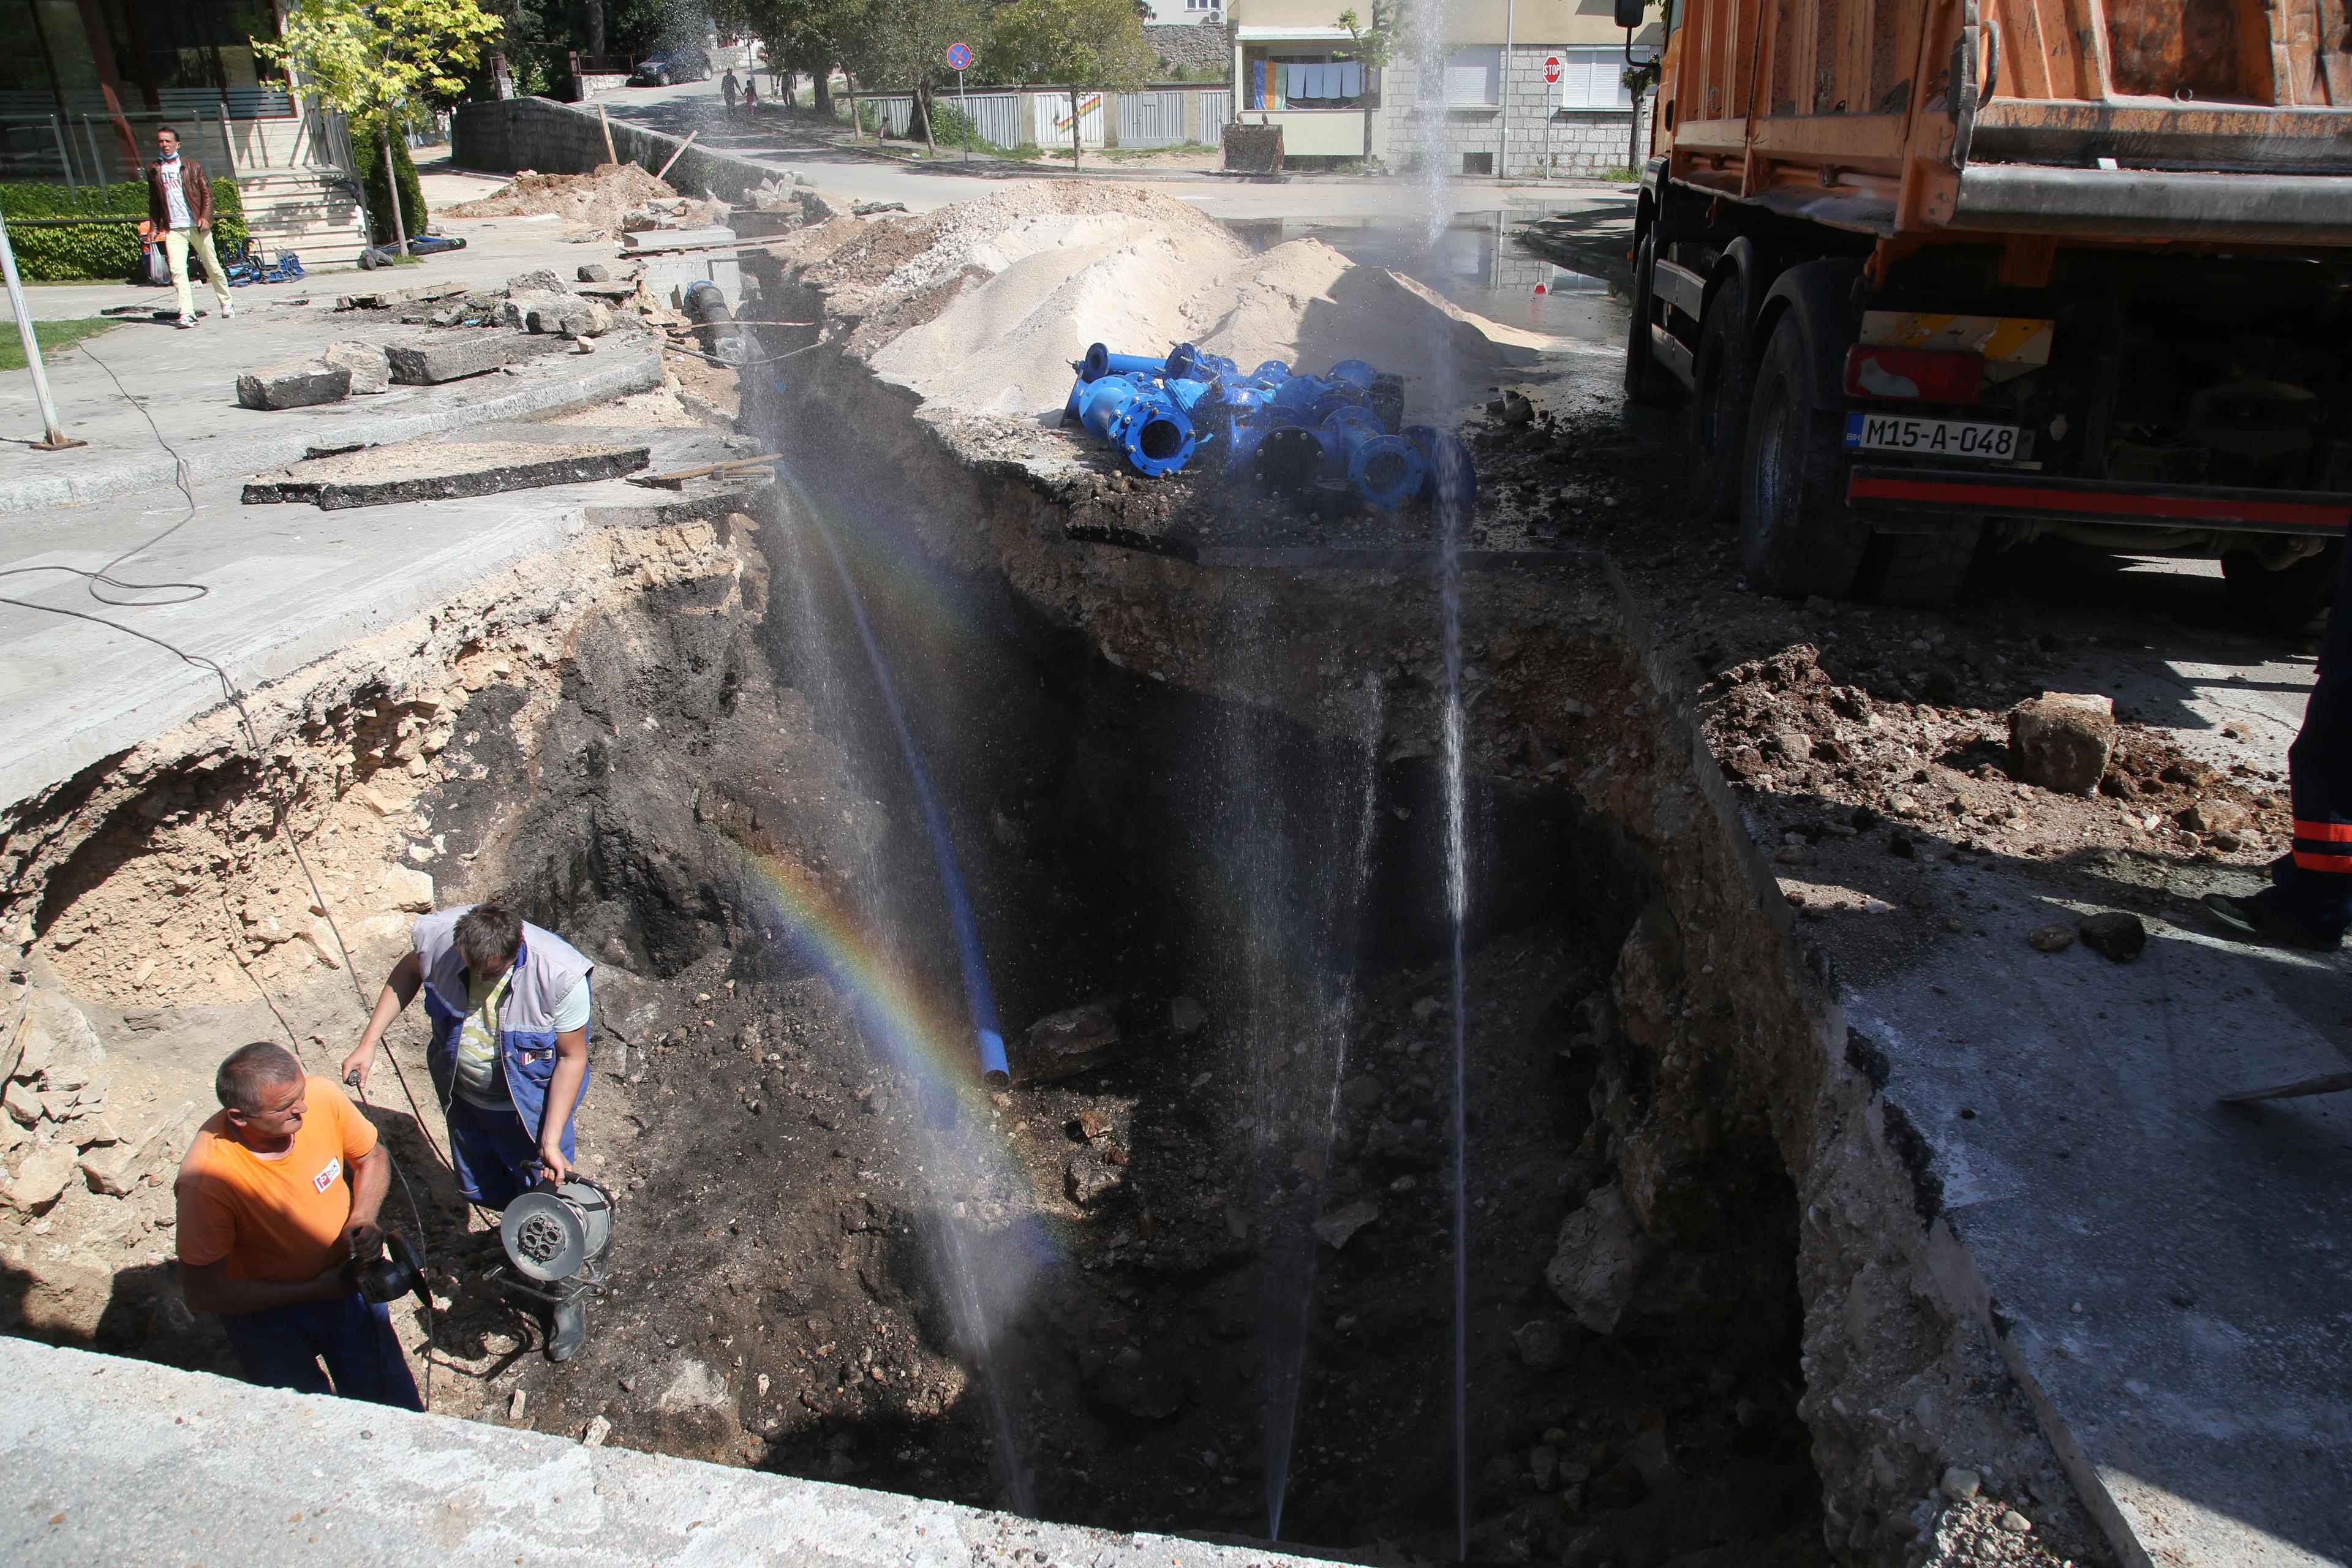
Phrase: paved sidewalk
[285,584]
[129,1463]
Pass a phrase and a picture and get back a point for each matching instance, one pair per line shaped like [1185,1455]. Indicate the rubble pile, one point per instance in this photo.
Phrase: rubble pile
[599,199]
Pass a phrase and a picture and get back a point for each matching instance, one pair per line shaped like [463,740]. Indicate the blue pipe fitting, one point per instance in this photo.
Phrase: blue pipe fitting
[1451,477]
[1139,419]
[1286,461]
[1273,372]
[1385,470]
[1101,361]
[1354,373]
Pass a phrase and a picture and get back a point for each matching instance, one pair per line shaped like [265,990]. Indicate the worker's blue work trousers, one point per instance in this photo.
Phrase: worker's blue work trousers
[2315,882]
[282,1348]
[494,1152]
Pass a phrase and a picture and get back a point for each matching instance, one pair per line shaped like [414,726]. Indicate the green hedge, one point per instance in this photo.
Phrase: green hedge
[367,150]
[107,246]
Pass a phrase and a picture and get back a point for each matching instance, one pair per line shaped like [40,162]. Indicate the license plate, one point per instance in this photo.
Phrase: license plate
[1932,437]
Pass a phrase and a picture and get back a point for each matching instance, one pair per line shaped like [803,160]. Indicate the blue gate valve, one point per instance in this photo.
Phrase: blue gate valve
[1139,419]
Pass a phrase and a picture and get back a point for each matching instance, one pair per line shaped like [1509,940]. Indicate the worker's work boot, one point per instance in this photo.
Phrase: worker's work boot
[2265,918]
[567,1328]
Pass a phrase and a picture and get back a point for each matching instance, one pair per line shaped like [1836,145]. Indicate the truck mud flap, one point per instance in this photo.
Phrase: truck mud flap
[1980,494]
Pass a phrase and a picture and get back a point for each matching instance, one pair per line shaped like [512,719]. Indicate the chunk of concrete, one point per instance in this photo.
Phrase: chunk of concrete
[1598,1264]
[1064,1044]
[296,383]
[1543,1345]
[1339,1228]
[23,1107]
[2117,933]
[457,353]
[515,311]
[371,372]
[593,322]
[442,470]
[692,1386]
[2062,741]
[113,1172]
[41,1179]
[409,890]
[594,272]
[1088,1179]
[539,281]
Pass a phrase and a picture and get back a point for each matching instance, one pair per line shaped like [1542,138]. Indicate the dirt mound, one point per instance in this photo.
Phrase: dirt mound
[1014,287]
[597,199]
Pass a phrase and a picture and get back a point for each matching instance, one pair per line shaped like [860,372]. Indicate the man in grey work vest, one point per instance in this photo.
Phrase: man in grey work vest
[510,1005]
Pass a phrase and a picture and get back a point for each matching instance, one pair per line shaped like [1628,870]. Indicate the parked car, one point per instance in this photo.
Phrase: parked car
[687,64]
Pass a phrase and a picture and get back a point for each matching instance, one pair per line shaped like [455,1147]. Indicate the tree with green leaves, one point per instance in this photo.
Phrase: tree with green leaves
[904,42]
[1086,44]
[1375,45]
[375,60]
[802,37]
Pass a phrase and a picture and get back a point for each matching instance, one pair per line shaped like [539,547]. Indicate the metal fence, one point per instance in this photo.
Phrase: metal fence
[1216,114]
[1151,118]
[1050,112]
[996,117]
[895,115]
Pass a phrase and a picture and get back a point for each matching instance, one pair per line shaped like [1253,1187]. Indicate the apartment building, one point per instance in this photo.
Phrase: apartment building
[1484,105]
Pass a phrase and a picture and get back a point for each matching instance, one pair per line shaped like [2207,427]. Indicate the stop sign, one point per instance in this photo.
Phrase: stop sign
[1551,67]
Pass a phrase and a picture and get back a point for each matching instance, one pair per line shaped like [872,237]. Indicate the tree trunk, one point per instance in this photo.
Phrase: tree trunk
[1077,152]
[923,107]
[857,126]
[821,89]
[593,13]
[392,182]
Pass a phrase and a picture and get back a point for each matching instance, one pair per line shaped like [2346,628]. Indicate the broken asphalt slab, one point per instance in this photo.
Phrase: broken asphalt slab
[441,470]
[457,353]
[190,394]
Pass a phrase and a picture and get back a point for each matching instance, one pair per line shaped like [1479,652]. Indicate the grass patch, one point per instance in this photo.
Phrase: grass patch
[55,337]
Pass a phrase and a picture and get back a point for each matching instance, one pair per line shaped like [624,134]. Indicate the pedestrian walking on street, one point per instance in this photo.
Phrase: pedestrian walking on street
[727,89]
[751,94]
[2309,901]
[180,208]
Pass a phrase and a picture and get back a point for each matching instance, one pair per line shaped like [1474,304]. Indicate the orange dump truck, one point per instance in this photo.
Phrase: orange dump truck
[1935,275]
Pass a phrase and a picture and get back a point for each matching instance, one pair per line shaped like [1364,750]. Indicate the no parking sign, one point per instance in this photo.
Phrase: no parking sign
[959,57]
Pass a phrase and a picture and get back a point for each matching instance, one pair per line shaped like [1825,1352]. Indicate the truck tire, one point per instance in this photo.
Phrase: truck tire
[2286,601]
[1723,380]
[1646,381]
[1796,537]
[1920,571]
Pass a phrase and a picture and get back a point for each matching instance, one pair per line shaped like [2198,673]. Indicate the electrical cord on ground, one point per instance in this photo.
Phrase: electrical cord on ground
[104,578]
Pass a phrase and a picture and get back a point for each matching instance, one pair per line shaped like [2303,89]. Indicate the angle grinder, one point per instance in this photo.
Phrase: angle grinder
[556,1234]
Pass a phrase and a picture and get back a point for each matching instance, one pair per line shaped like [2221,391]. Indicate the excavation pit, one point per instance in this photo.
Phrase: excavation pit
[1197,797]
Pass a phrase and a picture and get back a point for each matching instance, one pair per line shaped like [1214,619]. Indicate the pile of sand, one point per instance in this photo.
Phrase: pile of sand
[1046,269]
[595,199]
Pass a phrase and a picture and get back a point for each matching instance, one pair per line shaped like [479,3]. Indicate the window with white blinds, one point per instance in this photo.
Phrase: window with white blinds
[1594,78]
[1474,75]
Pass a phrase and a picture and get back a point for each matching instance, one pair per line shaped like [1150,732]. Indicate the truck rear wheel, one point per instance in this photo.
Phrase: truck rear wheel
[1646,381]
[2287,600]
[1795,536]
[1922,571]
[1723,380]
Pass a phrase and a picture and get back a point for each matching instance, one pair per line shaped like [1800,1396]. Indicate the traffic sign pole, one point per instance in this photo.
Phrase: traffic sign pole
[1552,106]
[959,62]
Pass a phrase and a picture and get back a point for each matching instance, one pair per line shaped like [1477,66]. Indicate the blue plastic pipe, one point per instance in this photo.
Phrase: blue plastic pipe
[1101,361]
[1450,477]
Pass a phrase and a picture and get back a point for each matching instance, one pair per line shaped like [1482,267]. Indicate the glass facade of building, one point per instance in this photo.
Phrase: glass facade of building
[161,56]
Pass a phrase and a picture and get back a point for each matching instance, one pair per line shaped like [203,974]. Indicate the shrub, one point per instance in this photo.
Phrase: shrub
[102,239]
[367,152]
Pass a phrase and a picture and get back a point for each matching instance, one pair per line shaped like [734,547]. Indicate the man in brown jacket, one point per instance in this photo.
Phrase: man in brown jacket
[180,206]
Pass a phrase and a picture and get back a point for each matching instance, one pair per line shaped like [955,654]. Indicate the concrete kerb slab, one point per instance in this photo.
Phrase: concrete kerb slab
[550,385]
[130,1463]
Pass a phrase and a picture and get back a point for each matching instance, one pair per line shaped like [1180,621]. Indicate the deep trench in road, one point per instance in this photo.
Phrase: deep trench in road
[1191,1270]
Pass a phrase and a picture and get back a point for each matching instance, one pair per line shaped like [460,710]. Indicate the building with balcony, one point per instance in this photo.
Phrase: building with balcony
[84,84]
[1483,107]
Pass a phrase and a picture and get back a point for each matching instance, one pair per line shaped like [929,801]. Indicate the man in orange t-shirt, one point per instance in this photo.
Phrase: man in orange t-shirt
[278,1195]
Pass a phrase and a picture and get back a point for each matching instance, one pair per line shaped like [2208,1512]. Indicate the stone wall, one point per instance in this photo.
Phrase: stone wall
[506,135]
[1583,142]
